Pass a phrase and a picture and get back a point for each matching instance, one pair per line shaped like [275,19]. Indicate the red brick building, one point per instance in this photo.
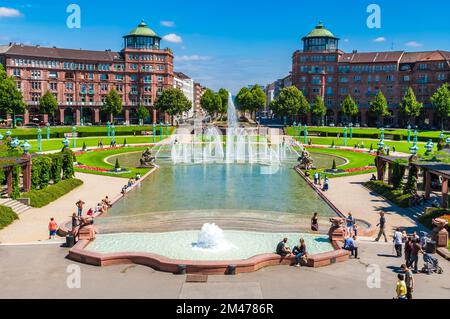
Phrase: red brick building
[322,69]
[80,79]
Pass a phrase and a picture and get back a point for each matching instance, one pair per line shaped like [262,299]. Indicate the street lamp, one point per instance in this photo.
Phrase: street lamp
[48,131]
[414,149]
[26,147]
[429,146]
[409,134]
[113,133]
[161,131]
[351,131]
[167,128]
[108,128]
[381,144]
[345,136]
[74,137]
[66,142]
[154,133]
[306,135]
[382,134]
[295,129]
[299,131]
[39,140]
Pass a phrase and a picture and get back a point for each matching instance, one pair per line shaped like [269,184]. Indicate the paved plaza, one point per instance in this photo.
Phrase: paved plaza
[40,271]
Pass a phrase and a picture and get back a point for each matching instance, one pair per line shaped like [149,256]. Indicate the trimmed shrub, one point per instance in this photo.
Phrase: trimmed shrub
[7,216]
[389,193]
[43,197]
[56,168]
[334,165]
[398,172]
[411,184]
[67,164]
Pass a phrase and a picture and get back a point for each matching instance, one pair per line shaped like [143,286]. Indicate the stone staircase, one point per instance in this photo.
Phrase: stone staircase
[418,211]
[16,206]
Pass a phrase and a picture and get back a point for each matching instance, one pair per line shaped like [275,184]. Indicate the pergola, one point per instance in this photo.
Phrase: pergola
[439,169]
[8,163]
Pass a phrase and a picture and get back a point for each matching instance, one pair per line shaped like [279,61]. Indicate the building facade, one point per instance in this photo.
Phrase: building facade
[186,85]
[322,69]
[81,79]
[273,90]
[199,90]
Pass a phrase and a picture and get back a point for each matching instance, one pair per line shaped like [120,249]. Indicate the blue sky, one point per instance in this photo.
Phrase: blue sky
[230,43]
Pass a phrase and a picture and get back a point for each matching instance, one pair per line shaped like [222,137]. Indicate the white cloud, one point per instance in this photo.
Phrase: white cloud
[168,24]
[380,39]
[414,44]
[346,40]
[9,13]
[190,58]
[173,38]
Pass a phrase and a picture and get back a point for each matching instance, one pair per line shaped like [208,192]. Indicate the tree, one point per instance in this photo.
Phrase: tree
[211,102]
[224,96]
[173,102]
[290,102]
[11,99]
[244,100]
[258,99]
[113,103]
[48,104]
[349,108]
[441,103]
[409,106]
[143,113]
[318,109]
[379,106]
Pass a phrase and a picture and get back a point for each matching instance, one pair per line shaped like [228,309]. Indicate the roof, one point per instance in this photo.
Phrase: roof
[142,30]
[57,53]
[371,57]
[413,57]
[181,75]
[320,32]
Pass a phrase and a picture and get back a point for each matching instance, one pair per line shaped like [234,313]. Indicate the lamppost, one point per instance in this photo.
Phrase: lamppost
[66,142]
[415,149]
[299,131]
[113,134]
[39,140]
[74,137]
[345,136]
[429,147]
[161,131]
[382,134]
[409,134]
[306,135]
[26,147]
[154,133]
[351,131]
[108,128]
[47,129]
[295,129]
[167,128]
[381,144]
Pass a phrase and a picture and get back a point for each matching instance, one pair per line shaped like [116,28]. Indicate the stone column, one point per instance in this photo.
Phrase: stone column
[61,115]
[381,166]
[96,116]
[26,172]
[154,117]
[127,116]
[9,180]
[77,117]
[427,185]
[45,118]
[445,193]
[26,117]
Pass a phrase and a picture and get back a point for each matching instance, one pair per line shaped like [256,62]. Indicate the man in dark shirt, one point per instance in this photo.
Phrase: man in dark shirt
[382,225]
[415,250]
[282,249]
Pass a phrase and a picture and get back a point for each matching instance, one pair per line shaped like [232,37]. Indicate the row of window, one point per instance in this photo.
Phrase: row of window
[421,78]
[37,75]
[147,57]
[318,58]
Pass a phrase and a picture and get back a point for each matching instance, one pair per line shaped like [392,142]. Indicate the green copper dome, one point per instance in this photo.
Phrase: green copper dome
[142,30]
[320,32]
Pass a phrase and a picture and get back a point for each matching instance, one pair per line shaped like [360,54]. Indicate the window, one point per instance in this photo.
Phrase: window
[35,74]
[330,79]
[119,77]
[53,86]
[441,76]
[35,85]
[344,79]
[406,78]
[134,89]
[104,87]
[16,73]
[133,77]
[53,75]
[103,77]
[147,88]
[390,78]
[90,76]
[329,91]
[19,85]
[357,78]
[119,87]
[148,79]
[160,78]
[343,90]
[441,65]
[69,86]
[423,66]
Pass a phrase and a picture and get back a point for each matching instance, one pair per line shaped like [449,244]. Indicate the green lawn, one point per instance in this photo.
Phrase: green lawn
[97,159]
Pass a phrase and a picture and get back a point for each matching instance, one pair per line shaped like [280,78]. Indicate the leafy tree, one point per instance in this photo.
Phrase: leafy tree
[113,103]
[258,99]
[244,100]
[11,99]
[290,102]
[349,108]
[173,102]
[398,172]
[318,109]
[441,103]
[143,113]
[409,106]
[224,95]
[48,104]
[211,102]
[411,184]
[379,106]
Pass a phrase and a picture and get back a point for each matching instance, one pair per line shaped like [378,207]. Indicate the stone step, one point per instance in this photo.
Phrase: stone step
[16,206]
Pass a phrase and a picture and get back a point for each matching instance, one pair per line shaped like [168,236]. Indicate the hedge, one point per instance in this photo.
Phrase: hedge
[387,191]
[43,197]
[433,213]
[7,216]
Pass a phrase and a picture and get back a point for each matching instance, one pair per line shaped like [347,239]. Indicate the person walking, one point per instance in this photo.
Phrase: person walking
[350,221]
[52,228]
[415,251]
[316,178]
[408,249]
[401,289]
[409,280]
[398,242]
[382,225]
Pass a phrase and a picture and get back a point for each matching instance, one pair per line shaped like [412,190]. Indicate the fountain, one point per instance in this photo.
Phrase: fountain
[212,238]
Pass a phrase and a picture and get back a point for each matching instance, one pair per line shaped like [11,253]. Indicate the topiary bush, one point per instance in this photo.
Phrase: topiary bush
[56,168]
[7,216]
[398,172]
[67,164]
[43,197]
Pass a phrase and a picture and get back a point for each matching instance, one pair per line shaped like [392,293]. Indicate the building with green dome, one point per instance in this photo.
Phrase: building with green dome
[320,39]
[142,37]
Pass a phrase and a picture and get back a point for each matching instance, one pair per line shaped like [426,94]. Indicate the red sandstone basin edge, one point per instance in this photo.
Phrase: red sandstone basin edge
[79,253]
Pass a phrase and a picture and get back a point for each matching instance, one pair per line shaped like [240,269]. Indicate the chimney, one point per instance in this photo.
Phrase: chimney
[355,51]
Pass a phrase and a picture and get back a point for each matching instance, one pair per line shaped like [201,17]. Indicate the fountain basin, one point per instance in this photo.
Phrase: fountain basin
[168,251]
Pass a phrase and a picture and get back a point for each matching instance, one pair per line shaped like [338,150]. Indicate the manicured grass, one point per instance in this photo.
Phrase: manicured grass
[97,159]
[43,197]
[400,146]
[7,216]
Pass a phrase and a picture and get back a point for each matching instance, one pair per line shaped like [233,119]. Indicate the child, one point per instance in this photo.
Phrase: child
[355,231]
[401,287]
[52,228]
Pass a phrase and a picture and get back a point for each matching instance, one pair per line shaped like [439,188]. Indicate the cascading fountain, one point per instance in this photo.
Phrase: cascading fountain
[211,237]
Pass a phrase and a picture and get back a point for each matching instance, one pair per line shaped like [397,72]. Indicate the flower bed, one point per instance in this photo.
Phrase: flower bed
[359,169]
[94,169]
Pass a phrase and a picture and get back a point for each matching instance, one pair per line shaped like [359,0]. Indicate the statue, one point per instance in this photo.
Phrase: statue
[440,233]
[306,161]
[147,159]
